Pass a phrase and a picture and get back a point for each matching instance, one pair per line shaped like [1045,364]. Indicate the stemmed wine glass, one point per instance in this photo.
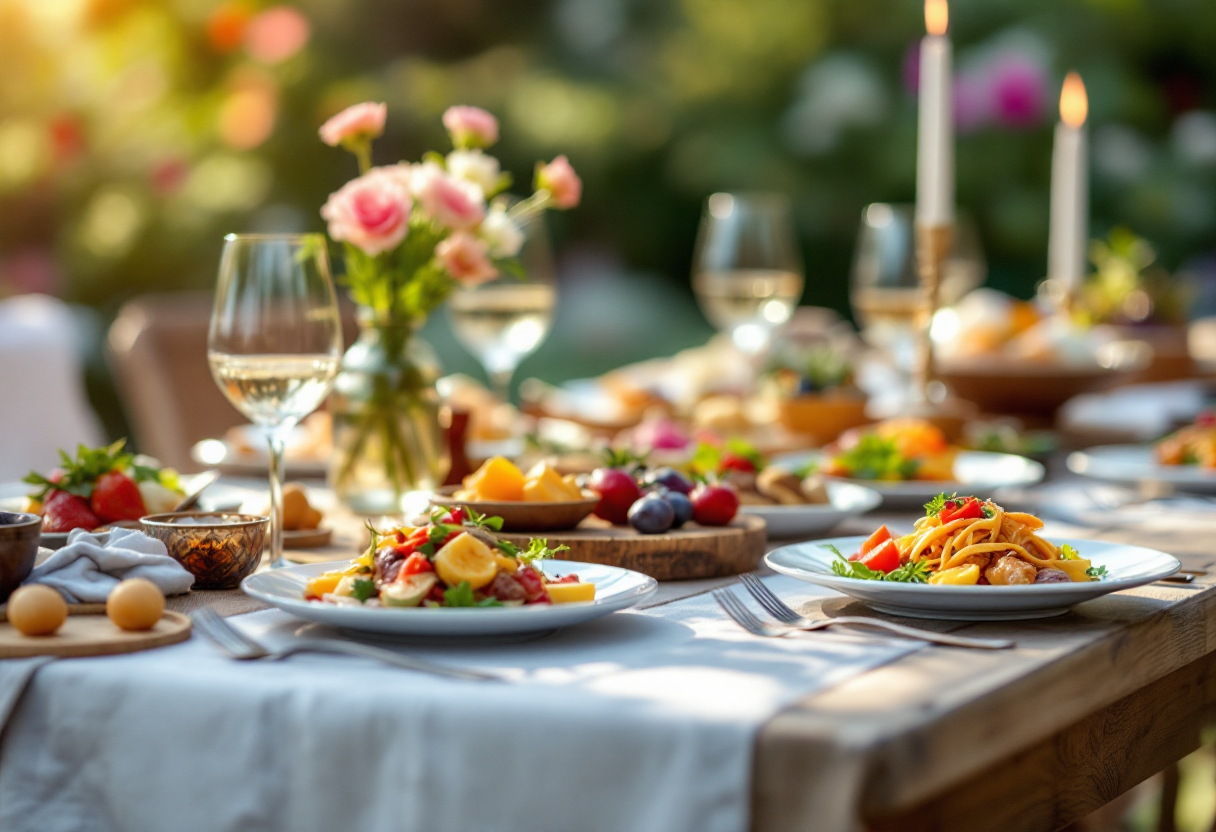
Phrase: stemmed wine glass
[886,294]
[275,340]
[504,321]
[747,274]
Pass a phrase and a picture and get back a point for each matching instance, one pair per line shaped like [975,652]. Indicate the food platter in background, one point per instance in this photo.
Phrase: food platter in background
[844,500]
[978,472]
[1138,463]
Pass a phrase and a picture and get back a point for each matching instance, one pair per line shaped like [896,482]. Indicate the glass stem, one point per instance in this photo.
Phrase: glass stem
[500,380]
[275,441]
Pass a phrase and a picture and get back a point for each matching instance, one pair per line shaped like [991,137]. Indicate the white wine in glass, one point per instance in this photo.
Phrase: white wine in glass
[748,275]
[504,321]
[275,340]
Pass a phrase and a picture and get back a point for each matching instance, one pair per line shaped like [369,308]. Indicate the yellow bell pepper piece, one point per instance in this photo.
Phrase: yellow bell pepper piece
[570,593]
[957,576]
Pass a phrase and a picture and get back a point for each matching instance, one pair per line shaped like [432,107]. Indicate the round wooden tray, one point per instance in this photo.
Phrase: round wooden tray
[88,632]
[691,552]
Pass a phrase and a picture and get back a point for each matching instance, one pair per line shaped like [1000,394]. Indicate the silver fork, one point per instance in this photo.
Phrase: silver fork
[791,620]
[237,645]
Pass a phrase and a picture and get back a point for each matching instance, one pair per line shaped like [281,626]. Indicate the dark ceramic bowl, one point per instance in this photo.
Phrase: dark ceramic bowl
[19,535]
[220,548]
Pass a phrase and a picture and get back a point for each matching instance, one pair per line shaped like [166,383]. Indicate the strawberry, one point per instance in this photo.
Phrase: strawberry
[63,512]
[116,497]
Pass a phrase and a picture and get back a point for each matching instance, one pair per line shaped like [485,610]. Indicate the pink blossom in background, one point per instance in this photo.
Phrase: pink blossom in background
[371,212]
[30,271]
[560,180]
[466,259]
[972,102]
[276,34]
[1019,91]
[910,73]
[355,123]
[470,126]
[451,202]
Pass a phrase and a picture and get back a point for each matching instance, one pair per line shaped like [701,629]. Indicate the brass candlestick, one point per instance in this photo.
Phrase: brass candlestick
[933,244]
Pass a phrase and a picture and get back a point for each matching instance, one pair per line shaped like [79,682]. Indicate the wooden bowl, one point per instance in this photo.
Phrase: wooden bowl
[525,516]
[1025,389]
[823,417]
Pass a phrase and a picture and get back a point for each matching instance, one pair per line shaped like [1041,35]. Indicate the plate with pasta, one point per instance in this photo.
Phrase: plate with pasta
[969,559]
[1186,459]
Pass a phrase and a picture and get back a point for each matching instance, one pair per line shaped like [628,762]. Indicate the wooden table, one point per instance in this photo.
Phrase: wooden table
[1087,706]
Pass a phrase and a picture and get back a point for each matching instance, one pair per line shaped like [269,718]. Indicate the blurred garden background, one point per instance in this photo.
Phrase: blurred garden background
[135,133]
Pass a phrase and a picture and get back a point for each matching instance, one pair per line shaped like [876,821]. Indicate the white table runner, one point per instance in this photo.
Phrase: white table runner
[642,721]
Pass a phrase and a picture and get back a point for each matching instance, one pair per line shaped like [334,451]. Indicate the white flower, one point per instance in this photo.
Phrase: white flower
[476,167]
[501,234]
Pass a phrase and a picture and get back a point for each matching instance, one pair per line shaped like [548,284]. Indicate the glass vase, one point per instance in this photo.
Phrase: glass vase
[388,440]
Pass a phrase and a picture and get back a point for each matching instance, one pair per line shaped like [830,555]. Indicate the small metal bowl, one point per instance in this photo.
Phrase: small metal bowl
[19,536]
[219,548]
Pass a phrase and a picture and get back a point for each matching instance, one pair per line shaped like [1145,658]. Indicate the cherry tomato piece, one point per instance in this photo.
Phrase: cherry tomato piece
[883,558]
[872,542]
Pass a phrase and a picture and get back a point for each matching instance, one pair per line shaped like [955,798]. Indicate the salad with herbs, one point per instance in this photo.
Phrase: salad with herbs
[892,450]
[452,560]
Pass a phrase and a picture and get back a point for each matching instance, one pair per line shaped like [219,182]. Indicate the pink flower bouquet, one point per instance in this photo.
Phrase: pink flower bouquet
[411,232]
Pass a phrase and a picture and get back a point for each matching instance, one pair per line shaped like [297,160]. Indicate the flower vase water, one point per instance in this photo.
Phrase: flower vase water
[388,439]
[411,233]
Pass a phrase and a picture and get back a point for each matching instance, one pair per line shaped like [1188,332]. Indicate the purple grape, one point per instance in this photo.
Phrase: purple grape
[669,478]
[651,515]
[681,505]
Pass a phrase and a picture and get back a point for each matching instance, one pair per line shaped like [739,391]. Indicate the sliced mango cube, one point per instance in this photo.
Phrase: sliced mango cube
[957,576]
[570,593]
[505,563]
[497,479]
[544,484]
[466,558]
[322,584]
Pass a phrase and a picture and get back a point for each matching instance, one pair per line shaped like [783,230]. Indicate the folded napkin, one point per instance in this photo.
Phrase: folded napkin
[84,571]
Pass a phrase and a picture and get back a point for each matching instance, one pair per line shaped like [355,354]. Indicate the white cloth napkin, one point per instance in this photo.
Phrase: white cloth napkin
[84,571]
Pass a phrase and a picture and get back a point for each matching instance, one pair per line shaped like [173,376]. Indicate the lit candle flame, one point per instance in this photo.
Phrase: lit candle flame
[937,16]
[1074,104]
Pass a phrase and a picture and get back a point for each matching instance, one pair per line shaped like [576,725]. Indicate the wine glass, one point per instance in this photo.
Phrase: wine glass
[504,321]
[886,294]
[275,340]
[747,273]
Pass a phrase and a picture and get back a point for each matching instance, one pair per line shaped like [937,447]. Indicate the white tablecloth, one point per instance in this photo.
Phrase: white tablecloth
[642,721]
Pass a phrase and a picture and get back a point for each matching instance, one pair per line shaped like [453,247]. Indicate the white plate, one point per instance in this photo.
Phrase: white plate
[1127,566]
[976,472]
[1134,463]
[847,500]
[615,589]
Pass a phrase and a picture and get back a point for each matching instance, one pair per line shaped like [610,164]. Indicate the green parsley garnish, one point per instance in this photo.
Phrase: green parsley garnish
[913,572]
[362,588]
[461,595]
[934,507]
[1098,573]
[539,549]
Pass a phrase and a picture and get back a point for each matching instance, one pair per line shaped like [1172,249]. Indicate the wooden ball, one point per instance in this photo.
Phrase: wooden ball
[37,610]
[135,604]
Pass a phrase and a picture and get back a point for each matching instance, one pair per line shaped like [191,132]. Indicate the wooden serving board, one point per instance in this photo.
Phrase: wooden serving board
[682,554]
[88,632]
[307,538]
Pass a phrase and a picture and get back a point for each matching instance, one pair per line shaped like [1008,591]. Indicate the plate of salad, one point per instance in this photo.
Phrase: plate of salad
[969,559]
[909,461]
[451,576]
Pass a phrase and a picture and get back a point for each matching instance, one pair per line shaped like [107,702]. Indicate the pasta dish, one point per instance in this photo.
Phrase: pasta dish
[1192,445]
[964,541]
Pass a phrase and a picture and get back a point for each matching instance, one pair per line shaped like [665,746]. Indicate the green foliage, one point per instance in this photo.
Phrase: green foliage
[876,458]
[80,473]
[362,588]
[539,549]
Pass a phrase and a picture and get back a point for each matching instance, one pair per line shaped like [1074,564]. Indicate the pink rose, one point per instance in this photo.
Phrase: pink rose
[471,126]
[560,180]
[465,258]
[452,202]
[359,122]
[371,212]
